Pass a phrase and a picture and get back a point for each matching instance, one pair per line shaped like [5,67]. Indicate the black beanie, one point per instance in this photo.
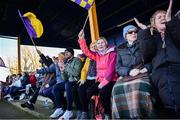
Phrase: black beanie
[70,50]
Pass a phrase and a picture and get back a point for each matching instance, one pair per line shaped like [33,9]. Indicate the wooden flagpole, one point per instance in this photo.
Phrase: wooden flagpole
[19,55]
[85,22]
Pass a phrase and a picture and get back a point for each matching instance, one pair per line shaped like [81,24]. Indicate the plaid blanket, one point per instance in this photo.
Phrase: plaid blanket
[132,99]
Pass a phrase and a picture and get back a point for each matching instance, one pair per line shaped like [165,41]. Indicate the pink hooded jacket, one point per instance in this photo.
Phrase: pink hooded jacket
[105,63]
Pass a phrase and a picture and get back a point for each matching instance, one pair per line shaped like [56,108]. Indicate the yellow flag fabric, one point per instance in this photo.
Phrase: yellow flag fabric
[84,3]
[36,23]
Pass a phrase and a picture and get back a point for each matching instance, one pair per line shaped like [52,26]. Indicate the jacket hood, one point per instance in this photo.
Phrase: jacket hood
[108,50]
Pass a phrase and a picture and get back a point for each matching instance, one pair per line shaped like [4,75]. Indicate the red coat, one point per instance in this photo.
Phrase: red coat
[32,80]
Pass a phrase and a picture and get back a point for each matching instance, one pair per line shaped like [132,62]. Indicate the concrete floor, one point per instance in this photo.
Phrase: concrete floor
[8,111]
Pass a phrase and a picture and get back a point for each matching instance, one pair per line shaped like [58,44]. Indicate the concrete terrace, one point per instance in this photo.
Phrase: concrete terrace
[13,110]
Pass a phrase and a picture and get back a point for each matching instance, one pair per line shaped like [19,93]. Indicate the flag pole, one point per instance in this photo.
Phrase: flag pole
[33,42]
[28,33]
[85,22]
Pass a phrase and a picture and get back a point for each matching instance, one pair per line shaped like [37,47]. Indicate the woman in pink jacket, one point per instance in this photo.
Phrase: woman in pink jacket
[105,58]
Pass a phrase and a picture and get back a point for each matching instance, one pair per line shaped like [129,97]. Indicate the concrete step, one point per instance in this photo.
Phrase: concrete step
[41,111]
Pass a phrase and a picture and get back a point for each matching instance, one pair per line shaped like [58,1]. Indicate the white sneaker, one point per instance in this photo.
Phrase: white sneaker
[57,113]
[7,96]
[67,115]
[22,96]
[10,99]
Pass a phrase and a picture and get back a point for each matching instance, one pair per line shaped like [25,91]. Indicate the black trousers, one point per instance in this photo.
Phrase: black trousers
[33,99]
[75,96]
[84,101]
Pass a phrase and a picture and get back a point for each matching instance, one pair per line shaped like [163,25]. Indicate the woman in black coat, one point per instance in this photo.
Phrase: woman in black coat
[161,45]
[131,93]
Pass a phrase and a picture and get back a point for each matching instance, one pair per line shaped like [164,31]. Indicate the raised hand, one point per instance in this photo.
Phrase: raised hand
[39,52]
[142,26]
[168,14]
[81,34]
[62,68]
[178,14]
[55,59]
[61,65]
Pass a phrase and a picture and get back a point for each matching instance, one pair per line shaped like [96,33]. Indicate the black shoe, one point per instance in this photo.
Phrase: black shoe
[26,104]
[85,115]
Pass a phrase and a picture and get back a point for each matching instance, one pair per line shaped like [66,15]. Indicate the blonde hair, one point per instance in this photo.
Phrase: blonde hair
[152,19]
[61,56]
[104,39]
[93,44]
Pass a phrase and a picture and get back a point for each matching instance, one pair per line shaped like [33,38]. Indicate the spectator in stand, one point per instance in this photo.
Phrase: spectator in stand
[13,90]
[70,72]
[58,89]
[105,58]
[168,16]
[131,93]
[88,77]
[160,44]
[32,80]
[24,79]
[46,62]
[82,57]
[6,85]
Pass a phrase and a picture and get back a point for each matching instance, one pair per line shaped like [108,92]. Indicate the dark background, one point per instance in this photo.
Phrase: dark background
[63,19]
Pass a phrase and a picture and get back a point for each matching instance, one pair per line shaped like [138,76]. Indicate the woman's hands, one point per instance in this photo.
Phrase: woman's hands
[81,82]
[142,26]
[39,52]
[169,11]
[135,71]
[61,65]
[178,14]
[81,34]
[144,70]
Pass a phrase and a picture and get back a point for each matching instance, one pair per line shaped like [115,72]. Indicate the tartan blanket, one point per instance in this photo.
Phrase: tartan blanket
[132,99]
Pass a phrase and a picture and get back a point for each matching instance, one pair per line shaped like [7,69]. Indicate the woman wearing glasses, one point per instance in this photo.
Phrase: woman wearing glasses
[131,93]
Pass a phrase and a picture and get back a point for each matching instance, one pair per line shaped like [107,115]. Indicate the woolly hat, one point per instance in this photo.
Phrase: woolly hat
[70,50]
[126,29]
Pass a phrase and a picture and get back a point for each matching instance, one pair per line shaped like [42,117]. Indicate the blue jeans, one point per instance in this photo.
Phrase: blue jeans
[69,97]
[58,93]
[55,93]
